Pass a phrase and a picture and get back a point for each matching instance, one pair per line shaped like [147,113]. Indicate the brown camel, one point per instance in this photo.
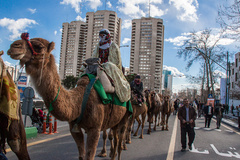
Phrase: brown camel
[167,109]
[156,107]
[137,111]
[40,65]
[15,133]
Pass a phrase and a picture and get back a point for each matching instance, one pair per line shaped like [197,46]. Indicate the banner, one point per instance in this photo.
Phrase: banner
[223,90]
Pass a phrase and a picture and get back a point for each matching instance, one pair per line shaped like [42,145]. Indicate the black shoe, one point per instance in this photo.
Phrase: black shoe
[183,149]
[190,148]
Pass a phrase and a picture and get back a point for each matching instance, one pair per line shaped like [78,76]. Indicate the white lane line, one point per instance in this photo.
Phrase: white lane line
[172,142]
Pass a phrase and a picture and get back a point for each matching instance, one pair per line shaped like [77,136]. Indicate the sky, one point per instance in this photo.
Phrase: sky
[44,18]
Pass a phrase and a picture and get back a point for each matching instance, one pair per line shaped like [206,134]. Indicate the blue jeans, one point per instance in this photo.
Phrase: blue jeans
[2,156]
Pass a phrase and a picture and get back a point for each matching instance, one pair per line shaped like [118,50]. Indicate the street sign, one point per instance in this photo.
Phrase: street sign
[210,96]
[27,105]
[28,92]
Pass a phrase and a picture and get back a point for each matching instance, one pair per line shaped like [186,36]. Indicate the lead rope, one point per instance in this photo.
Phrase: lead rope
[40,80]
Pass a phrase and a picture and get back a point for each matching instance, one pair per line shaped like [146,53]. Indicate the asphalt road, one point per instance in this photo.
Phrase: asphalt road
[209,144]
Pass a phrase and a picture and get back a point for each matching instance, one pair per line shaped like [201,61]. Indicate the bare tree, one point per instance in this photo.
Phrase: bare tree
[228,18]
[203,47]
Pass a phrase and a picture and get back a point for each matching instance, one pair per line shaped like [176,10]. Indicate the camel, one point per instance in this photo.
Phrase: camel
[15,132]
[39,63]
[156,107]
[167,109]
[137,111]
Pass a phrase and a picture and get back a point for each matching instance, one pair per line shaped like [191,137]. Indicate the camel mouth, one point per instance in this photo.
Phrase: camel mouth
[17,56]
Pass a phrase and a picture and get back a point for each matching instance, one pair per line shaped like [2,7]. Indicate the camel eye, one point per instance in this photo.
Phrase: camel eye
[17,45]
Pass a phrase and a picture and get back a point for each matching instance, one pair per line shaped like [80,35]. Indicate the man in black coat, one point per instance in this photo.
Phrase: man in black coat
[208,113]
[137,88]
[187,116]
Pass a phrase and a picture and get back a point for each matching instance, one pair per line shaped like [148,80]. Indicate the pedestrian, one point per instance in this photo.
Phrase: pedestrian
[232,107]
[218,111]
[208,113]
[176,104]
[227,109]
[187,116]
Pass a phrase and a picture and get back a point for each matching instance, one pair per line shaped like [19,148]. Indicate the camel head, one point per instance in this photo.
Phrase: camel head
[34,56]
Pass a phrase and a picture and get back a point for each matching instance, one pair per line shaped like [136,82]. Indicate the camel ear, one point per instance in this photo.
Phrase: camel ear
[1,53]
[51,46]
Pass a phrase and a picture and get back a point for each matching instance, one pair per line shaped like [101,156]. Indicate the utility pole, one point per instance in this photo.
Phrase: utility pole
[227,81]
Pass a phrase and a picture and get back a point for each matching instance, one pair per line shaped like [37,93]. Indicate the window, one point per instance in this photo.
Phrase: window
[236,61]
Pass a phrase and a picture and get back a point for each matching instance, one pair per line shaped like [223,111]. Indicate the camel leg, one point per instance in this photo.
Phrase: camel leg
[110,137]
[115,135]
[79,140]
[168,115]
[163,121]
[130,124]
[139,123]
[16,139]
[149,128]
[103,153]
[92,142]
[121,137]
[143,121]
[158,124]
[155,125]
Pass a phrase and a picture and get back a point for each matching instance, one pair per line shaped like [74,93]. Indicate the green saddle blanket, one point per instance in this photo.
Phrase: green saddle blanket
[108,97]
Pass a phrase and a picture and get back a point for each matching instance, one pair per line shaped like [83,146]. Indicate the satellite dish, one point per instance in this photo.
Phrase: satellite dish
[28,92]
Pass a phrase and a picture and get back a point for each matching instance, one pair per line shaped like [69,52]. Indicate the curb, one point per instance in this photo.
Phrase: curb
[31,132]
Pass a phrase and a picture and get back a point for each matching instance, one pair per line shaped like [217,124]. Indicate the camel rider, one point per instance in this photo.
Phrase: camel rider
[110,56]
[137,88]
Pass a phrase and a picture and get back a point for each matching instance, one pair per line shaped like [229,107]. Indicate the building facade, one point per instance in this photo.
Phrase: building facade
[167,79]
[97,21]
[79,39]
[235,76]
[147,51]
[73,48]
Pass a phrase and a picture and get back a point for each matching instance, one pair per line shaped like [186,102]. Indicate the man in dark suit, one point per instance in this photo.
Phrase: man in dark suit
[208,113]
[187,116]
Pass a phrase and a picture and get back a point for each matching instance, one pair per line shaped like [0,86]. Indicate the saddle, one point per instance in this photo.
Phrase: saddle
[94,67]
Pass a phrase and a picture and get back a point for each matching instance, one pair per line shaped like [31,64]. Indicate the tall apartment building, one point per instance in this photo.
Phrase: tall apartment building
[73,48]
[97,21]
[235,73]
[79,39]
[147,51]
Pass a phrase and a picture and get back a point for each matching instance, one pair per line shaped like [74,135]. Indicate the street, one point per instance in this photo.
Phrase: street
[209,143]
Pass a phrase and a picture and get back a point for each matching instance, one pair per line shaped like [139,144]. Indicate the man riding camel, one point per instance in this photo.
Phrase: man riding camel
[137,88]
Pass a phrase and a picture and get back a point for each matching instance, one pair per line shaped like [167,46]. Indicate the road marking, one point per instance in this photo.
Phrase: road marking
[172,142]
[229,128]
[42,141]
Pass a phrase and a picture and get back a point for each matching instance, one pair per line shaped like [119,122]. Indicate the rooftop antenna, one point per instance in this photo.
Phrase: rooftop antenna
[149,8]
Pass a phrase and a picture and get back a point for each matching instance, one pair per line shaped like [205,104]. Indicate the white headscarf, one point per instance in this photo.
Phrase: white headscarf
[106,38]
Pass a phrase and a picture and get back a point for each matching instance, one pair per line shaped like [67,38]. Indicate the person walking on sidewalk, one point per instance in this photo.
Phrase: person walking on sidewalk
[238,111]
[208,113]
[218,110]
[187,116]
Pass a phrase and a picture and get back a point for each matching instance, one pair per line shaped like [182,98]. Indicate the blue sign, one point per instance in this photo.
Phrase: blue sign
[210,96]
[21,90]
[22,80]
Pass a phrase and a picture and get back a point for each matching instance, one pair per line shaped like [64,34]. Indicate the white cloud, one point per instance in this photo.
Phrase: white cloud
[219,74]
[79,18]
[127,24]
[94,4]
[126,40]
[188,9]
[132,8]
[16,26]
[60,30]
[8,63]
[55,32]
[74,3]
[174,71]
[109,4]
[214,36]
[177,41]
[32,10]
[156,12]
